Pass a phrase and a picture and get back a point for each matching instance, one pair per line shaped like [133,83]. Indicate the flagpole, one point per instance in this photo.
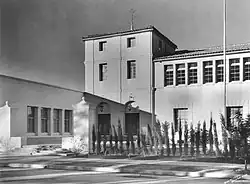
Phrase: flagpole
[224,58]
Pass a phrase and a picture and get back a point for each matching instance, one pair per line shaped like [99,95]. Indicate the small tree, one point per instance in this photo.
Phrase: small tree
[204,139]
[225,133]
[150,138]
[120,137]
[159,135]
[128,143]
[173,140]
[93,138]
[98,140]
[131,138]
[216,142]
[138,139]
[166,128]
[116,138]
[197,139]
[180,137]
[110,139]
[144,144]
[210,136]
[192,138]
[186,138]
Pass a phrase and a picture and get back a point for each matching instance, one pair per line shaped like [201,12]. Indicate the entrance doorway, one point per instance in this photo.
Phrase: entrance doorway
[132,123]
[104,124]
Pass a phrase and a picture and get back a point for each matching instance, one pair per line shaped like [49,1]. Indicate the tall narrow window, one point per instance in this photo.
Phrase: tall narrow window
[160,44]
[57,118]
[168,75]
[68,120]
[131,42]
[234,69]
[192,73]
[180,114]
[180,74]
[219,71]
[45,120]
[103,71]
[246,68]
[207,72]
[32,119]
[131,69]
[102,45]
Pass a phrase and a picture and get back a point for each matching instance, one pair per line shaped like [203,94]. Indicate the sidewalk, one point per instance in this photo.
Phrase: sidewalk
[142,167]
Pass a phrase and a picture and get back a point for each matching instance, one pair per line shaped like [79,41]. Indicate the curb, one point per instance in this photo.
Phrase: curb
[208,173]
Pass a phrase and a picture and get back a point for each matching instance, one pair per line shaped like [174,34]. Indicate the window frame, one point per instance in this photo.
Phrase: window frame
[207,72]
[103,75]
[178,78]
[102,46]
[131,42]
[34,118]
[231,124]
[131,69]
[246,68]
[45,121]
[233,68]
[68,121]
[57,120]
[168,75]
[219,70]
[191,70]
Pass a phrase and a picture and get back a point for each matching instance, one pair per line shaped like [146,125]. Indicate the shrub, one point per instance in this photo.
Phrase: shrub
[180,137]
[204,139]
[79,145]
[93,138]
[186,138]
[197,139]
[120,137]
[192,138]
[216,142]
[166,128]
[210,136]
[6,144]
[116,138]
[173,140]
[150,138]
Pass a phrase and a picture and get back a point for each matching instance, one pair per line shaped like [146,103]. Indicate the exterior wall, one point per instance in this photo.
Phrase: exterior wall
[20,94]
[202,100]
[166,48]
[5,121]
[117,87]
[117,112]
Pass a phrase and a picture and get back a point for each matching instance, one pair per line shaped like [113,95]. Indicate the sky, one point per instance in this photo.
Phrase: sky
[41,39]
[188,23]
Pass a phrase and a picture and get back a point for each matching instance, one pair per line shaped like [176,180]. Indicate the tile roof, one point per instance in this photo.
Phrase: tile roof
[182,54]
[127,32]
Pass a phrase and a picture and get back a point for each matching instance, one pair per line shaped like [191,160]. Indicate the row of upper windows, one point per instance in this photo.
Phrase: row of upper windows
[131,42]
[131,70]
[32,113]
[208,73]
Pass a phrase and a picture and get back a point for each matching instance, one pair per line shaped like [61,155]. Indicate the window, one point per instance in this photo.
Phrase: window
[180,114]
[234,69]
[131,42]
[168,75]
[180,74]
[192,73]
[207,71]
[103,71]
[102,45]
[68,119]
[131,69]
[57,118]
[246,68]
[160,44]
[45,120]
[104,124]
[219,71]
[32,119]
[232,113]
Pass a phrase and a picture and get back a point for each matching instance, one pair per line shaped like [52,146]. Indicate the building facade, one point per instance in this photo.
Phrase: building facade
[190,85]
[118,66]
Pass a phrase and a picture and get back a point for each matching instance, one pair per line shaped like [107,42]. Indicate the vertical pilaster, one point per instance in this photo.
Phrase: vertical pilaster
[39,126]
[186,73]
[51,122]
[174,74]
[214,71]
[241,69]
[227,70]
[62,125]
